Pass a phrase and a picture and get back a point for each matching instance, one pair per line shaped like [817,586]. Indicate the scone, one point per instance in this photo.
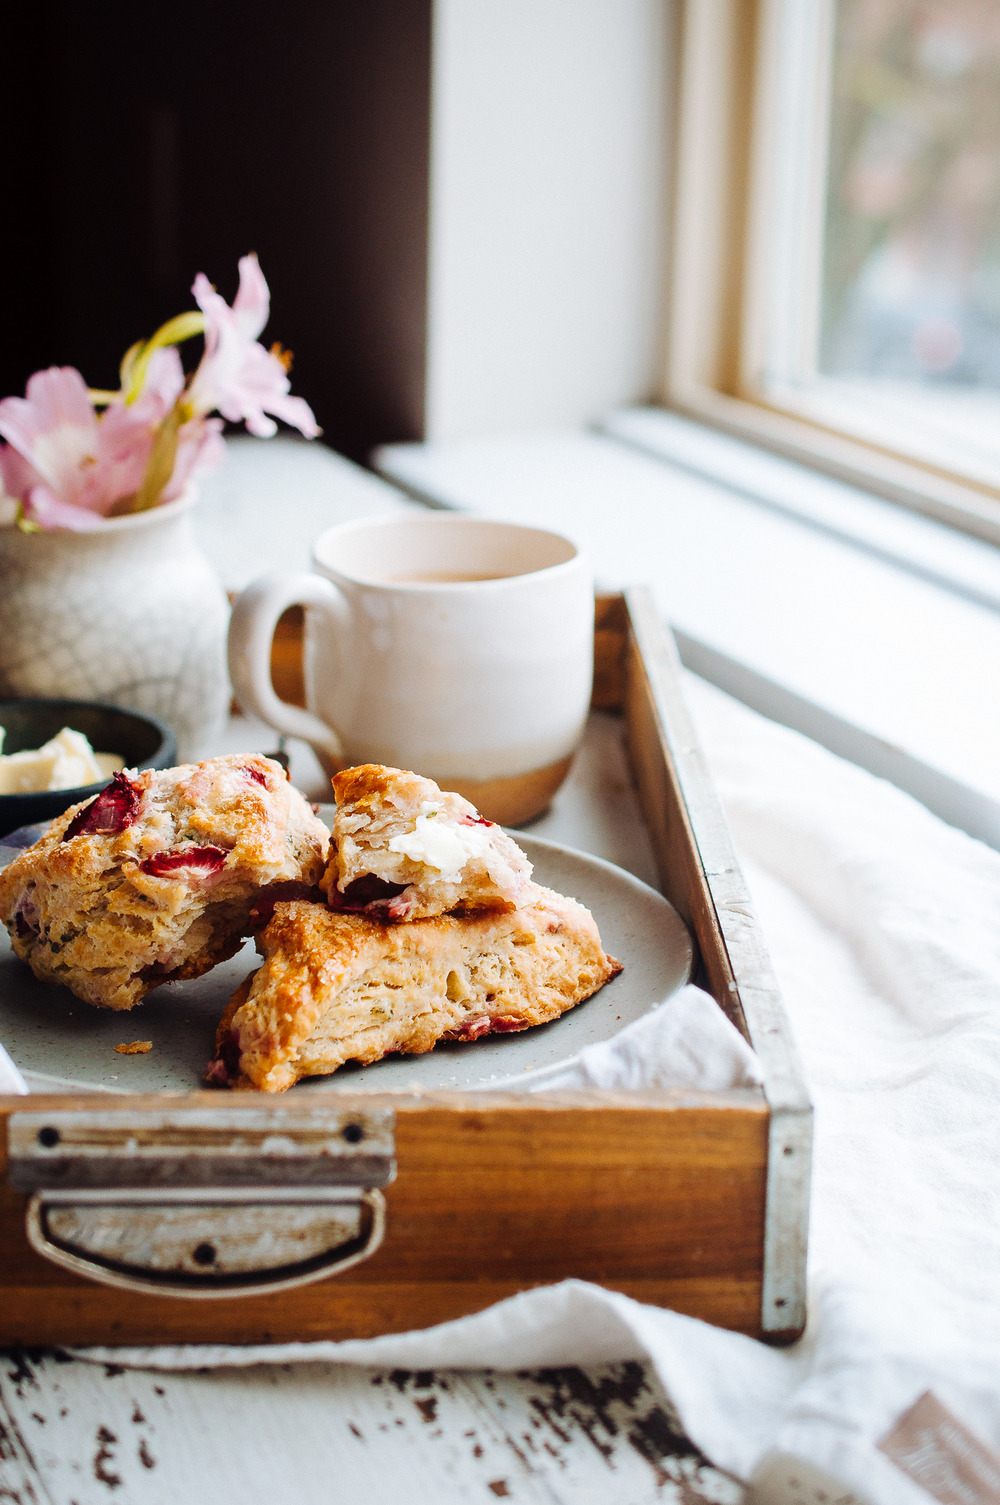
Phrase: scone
[157,878]
[404,850]
[343,987]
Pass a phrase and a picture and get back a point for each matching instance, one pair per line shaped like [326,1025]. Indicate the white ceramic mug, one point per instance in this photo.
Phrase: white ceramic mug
[455,646]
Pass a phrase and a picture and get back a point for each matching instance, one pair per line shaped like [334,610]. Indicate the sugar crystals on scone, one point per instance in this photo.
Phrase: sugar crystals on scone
[344,987]
[157,878]
[403,849]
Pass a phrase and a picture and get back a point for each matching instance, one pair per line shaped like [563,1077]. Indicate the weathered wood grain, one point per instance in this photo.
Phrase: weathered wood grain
[83,1434]
[610,630]
[493,1195]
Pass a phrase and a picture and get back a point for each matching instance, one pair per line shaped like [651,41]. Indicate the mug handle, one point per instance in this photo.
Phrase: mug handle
[251,631]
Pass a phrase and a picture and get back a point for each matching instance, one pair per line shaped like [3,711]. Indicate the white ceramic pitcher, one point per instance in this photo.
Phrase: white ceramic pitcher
[130,613]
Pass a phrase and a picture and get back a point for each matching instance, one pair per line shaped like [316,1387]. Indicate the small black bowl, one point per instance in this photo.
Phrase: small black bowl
[142,740]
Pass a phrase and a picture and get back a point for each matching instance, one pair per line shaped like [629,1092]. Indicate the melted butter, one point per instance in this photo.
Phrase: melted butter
[439,844]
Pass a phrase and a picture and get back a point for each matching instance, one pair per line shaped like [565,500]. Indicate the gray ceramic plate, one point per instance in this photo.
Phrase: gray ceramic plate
[58,1041]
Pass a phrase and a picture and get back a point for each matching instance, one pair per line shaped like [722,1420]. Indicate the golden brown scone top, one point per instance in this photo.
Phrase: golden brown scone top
[338,987]
[156,877]
[242,803]
[368,783]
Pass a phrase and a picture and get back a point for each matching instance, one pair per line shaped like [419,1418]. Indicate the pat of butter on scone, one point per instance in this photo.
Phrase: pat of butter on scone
[444,847]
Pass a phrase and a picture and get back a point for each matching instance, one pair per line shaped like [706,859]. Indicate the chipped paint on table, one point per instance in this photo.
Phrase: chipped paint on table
[74,1433]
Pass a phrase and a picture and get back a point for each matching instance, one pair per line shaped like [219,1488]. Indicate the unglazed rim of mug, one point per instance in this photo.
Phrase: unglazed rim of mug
[441,520]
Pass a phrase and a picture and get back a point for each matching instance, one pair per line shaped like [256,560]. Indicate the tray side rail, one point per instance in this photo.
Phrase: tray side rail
[684,817]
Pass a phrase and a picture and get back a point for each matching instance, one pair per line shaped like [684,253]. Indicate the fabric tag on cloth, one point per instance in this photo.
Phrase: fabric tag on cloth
[942,1455]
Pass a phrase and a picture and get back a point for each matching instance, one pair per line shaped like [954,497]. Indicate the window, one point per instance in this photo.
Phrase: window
[836,273]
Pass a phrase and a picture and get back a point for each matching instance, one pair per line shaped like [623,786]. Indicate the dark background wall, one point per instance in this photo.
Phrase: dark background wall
[146,142]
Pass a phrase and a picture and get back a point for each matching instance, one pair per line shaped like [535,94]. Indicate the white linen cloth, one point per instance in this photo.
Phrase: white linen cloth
[686,1042]
[11,1080]
[884,928]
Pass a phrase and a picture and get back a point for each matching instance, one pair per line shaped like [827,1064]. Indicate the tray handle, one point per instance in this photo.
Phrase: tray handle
[209,1243]
[203,1202]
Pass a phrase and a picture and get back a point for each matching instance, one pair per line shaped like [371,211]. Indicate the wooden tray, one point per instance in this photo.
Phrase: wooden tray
[448,1202]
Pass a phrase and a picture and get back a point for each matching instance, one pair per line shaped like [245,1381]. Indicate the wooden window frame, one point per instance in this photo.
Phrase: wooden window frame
[715,278]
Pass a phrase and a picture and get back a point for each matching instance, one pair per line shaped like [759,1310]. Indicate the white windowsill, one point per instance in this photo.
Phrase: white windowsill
[874,631]
[925,547]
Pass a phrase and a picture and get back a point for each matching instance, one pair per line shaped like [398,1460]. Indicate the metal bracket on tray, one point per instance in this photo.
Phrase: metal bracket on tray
[204,1203]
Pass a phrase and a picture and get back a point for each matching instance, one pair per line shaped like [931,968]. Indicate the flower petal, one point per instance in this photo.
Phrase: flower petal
[213,306]
[41,506]
[54,427]
[296,411]
[237,375]
[59,396]
[164,380]
[200,449]
[258,423]
[260,386]
[252,304]
[17,474]
[125,441]
[127,433]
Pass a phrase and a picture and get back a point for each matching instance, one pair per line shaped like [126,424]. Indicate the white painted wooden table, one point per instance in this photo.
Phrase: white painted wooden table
[76,1433]
[73,1433]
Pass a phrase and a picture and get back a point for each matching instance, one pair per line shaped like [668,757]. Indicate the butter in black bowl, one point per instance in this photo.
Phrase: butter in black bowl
[141,740]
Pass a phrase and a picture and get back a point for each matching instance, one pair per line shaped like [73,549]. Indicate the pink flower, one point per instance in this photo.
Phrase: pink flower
[65,467]
[69,468]
[237,375]
[126,431]
[53,432]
